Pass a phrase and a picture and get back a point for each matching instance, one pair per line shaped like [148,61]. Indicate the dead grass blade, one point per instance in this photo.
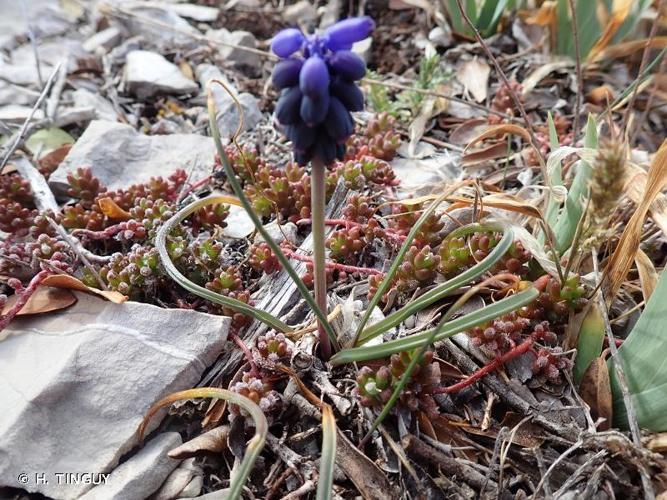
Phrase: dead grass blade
[648,276]
[624,255]
[619,14]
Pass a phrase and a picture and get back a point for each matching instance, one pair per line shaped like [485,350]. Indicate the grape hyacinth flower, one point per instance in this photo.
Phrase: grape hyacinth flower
[318,89]
[317,75]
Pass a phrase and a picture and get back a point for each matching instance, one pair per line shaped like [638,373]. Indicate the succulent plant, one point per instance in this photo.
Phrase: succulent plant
[210,217]
[405,217]
[262,259]
[376,386]
[378,139]
[318,90]
[550,363]
[503,102]
[84,186]
[16,218]
[78,217]
[273,347]
[345,245]
[366,171]
[227,281]
[245,162]
[259,391]
[151,214]
[559,301]
[131,274]
[418,269]
[13,187]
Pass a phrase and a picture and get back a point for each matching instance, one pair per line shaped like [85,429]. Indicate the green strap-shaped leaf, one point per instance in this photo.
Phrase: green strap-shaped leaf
[328,457]
[450,328]
[449,286]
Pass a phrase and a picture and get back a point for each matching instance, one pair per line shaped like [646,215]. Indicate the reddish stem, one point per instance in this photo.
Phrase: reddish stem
[331,265]
[186,191]
[495,364]
[23,295]
[101,235]
[254,371]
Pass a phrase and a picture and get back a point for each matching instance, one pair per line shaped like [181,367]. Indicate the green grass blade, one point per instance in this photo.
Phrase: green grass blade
[238,190]
[449,286]
[254,446]
[567,223]
[328,457]
[489,16]
[589,343]
[175,274]
[386,282]
[450,328]
[645,365]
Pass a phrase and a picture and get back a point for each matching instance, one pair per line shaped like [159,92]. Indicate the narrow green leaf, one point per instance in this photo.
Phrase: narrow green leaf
[254,446]
[450,328]
[238,190]
[455,17]
[554,143]
[589,343]
[645,365]
[490,15]
[449,286]
[328,457]
[175,274]
[567,223]
[386,282]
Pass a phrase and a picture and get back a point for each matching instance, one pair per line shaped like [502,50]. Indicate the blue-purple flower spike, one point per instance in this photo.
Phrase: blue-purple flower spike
[317,76]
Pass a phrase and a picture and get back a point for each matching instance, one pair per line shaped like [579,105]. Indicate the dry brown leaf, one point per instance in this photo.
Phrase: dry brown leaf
[502,201]
[72,283]
[626,48]
[468,130]
[112,210]
[634,188]
[658,443]
[620,11]
[601,95]
[537,75]
[648,276]
[502,129]
[595,389]
[621,261]
[491,152]
[213,441]
[49,162]
[474,76]
[45,299]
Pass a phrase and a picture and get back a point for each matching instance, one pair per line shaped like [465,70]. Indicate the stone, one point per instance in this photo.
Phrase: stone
[120,156]
[179,480]
[76,384]
[300,12]
[363,48]
[103,40]
[178,36]
[239,223]
[148,74]
[103,109]
[142,474]
[226,110]
[13,113]
[13,94]
[278,233]
[235,54]
[199,13]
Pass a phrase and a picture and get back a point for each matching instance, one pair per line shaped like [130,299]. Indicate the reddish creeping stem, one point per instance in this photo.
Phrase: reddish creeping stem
[331,265]
[23,295]
[495,364]
[251,360]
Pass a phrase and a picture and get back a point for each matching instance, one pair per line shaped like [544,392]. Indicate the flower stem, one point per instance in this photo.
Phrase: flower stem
[318,204]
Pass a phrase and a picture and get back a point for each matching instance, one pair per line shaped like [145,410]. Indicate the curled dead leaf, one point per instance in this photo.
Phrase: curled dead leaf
[491,152]
[213,441]
[112,210]
[621,9]
[474,76]
[601,95]
[648,276]
[500,130]
[595,390]
[50,161]
[45,299]
[72,283]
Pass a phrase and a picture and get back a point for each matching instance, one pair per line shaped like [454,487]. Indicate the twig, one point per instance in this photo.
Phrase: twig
[24,128]
[495,364]
[510,90]
[562,457]
[642,65]
[580,75]
[649,105]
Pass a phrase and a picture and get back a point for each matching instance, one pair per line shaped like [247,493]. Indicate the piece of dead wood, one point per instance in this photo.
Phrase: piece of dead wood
[595,390]
[417,448]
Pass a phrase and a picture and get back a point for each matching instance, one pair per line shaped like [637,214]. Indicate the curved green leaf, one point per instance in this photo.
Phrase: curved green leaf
[450,328]
[449,286]
[328,457]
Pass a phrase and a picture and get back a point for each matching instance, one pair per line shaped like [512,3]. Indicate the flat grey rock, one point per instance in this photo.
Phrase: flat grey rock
[120,156]
[200,13]
[103,40]
[13,113]
[142,474]
[301,12]
[226,110]
[278,233]
[148,74]
[235,39]
[103,109]
[76,384]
